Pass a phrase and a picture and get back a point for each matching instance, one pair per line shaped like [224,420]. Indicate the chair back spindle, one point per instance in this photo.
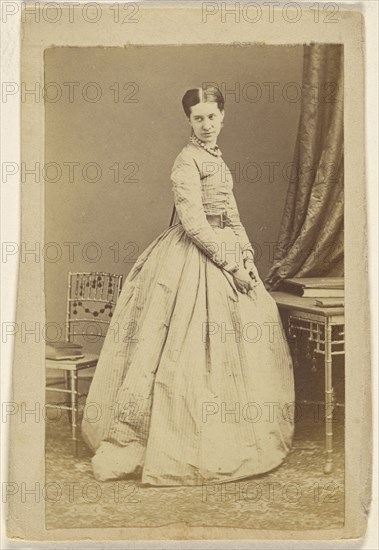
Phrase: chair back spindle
[91,299]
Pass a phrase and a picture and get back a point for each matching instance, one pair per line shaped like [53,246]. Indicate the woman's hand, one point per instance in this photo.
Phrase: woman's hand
[243,281]
[253,271]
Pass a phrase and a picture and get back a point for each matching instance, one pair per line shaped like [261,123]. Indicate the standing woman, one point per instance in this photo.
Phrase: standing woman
[203,390]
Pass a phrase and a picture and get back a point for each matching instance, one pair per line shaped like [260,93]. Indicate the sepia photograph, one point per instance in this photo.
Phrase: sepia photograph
[194,206]
[207,205]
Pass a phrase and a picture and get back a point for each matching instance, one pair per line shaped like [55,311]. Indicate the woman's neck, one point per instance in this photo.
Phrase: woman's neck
[211,148]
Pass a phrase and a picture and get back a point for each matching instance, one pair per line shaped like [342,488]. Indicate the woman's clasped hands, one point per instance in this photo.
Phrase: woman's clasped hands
[247,278]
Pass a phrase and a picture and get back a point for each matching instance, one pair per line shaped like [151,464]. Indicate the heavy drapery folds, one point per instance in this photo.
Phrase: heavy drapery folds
[310,242]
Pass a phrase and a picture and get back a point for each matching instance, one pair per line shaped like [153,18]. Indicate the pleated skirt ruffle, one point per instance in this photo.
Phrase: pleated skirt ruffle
[194,383]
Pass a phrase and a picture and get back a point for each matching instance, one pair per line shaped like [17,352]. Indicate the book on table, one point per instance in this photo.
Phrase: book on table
[330,302]
[315,287]
[63,350]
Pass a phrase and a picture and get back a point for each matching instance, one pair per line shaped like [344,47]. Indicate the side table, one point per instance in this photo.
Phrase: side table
[325,329]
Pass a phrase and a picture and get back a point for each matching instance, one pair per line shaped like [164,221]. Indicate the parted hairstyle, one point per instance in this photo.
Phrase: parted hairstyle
[197,95]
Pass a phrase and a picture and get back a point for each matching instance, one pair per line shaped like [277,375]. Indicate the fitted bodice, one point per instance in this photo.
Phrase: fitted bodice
[215,177]
[202,186]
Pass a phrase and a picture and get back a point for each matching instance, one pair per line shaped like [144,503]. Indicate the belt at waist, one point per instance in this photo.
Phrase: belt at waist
[217,220]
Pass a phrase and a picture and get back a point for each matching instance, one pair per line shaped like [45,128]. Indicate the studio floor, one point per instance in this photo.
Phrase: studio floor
[296,495]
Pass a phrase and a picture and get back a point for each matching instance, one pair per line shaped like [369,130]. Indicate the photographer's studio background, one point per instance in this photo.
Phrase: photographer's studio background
[150,133]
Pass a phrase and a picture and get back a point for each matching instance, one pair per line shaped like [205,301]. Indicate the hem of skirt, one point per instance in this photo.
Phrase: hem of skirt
[168,481]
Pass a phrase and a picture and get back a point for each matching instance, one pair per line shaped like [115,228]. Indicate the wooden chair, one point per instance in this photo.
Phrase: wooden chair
[91,298]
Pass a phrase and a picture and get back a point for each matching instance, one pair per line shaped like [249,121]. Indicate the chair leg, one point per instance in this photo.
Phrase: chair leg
[74,409]
[68,397]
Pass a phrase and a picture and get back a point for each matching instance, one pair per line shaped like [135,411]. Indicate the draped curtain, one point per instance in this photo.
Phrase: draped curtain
[310,242]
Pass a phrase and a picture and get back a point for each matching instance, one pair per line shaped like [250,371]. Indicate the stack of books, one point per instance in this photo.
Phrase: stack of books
[60,351]
[327,291]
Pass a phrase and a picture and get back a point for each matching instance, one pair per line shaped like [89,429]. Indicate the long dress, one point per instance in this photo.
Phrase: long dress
[194,383]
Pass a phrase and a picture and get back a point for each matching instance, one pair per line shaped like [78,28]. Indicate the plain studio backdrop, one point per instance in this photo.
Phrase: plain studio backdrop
[114,125]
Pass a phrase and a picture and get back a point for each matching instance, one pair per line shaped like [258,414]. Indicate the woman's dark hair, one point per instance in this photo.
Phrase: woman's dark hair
[197,95]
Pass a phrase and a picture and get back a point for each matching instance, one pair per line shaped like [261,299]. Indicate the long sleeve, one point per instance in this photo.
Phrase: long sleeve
[186,181]
[239,230]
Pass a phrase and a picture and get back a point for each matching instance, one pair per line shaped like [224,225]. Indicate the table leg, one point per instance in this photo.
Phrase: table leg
[328,400]
[292,340]
[74,408]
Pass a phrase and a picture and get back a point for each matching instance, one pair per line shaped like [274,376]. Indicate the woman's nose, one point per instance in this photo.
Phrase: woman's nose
[206,125]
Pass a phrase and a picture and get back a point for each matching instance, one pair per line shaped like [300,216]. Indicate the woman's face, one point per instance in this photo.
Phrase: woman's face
[206,121]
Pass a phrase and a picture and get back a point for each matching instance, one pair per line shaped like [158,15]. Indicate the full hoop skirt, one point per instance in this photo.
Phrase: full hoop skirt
[194,383]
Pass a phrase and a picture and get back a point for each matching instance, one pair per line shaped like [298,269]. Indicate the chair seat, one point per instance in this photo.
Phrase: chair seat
[89,360]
